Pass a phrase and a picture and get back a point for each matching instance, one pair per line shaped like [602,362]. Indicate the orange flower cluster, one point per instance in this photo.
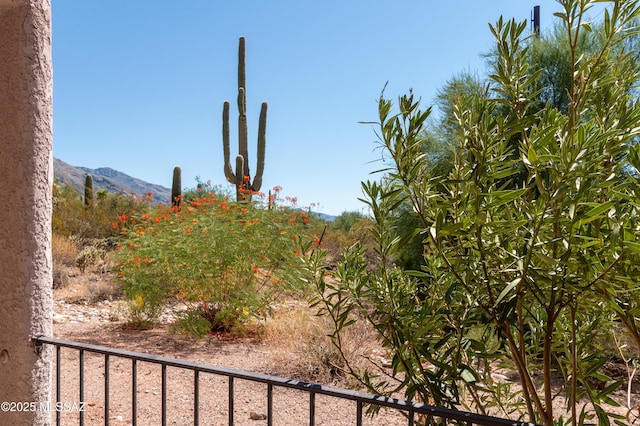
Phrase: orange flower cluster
[205,200]
[137,260]
[300,217]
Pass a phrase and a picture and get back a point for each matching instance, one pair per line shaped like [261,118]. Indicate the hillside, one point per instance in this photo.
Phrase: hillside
[108,179]
[117,182]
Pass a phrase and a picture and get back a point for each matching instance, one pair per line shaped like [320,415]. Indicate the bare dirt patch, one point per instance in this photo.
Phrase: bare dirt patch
[81,317]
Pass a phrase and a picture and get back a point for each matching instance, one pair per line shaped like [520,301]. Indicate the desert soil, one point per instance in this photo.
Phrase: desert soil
[98,322]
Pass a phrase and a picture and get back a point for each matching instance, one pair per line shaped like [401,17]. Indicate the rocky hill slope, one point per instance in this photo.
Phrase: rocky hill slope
[108,179]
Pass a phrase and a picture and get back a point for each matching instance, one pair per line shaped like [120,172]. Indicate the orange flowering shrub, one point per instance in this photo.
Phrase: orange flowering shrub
[227,261]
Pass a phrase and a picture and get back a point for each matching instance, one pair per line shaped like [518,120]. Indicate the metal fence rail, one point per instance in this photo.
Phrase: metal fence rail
[410,408]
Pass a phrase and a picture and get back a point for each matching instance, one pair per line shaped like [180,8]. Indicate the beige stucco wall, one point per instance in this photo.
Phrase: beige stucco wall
[26,175]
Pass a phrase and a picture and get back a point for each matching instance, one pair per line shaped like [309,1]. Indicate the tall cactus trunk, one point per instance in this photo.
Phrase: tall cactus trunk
[241,177]
[88,193]
[176,187]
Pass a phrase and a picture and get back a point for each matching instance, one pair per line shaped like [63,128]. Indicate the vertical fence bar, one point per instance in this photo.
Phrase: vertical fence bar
[410,416]
[106,389]
[312,408]
[196,397]
[230,400]
[58,420]
[81,384]
[134,392]
[164,394]
[269,404]
[359,414]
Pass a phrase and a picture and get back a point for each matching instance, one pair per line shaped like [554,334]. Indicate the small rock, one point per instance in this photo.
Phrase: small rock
[60,319]
[500,378]
[257,416]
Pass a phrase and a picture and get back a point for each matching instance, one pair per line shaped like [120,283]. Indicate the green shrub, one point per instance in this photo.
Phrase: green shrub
[69,217]
[227,261]
[530,243]
[143,306]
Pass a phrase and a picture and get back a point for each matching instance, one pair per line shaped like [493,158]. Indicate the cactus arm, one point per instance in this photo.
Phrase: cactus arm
[228,171]
[262,142]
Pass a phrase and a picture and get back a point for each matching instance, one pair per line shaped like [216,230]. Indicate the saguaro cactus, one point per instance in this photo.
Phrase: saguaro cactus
[88,193]
[245,186]
[176,187]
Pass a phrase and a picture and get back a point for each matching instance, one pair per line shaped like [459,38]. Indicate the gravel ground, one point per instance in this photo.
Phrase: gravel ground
[93,324]
[97,323]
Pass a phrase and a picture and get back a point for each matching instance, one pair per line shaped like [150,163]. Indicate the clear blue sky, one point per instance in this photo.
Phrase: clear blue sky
[139,85]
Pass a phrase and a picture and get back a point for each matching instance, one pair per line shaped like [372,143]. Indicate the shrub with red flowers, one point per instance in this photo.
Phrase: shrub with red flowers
[227,261]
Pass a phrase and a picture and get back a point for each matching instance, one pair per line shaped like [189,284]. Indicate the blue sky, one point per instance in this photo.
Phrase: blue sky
[139,85]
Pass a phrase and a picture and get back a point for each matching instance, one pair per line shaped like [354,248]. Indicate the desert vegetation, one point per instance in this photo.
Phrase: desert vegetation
[496,269]
[529,235]
[228,265]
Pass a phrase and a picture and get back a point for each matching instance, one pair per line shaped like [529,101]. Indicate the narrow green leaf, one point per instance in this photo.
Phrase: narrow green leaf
[600,209]
[468,376]
[531,155]
[505,173]
[507,290]
[634,247]
[504,197]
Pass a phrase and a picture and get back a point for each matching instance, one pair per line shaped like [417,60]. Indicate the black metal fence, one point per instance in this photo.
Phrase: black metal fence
[361,400]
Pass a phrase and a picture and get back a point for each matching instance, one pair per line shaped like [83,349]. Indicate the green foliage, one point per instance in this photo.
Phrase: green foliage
[228,262]
[347,229]
[406,223]
[548,58]
[551,54]
[69,217]
[242,176]
[528,270]
[144,307]
[346,221]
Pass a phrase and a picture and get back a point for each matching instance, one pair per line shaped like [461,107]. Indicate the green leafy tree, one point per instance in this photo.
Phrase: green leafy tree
[439,146]
[527,271]
[406,225]
[345,221]
[549,58]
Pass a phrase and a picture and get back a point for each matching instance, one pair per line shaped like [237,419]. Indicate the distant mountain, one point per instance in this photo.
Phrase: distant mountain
[325,217]
[117,182]
[109,179]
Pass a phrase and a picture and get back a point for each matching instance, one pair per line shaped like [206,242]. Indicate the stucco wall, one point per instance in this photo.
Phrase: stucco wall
[26,175]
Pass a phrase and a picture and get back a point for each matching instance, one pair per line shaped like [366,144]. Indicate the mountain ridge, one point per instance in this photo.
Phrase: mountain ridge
[111,180]
[116,182]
